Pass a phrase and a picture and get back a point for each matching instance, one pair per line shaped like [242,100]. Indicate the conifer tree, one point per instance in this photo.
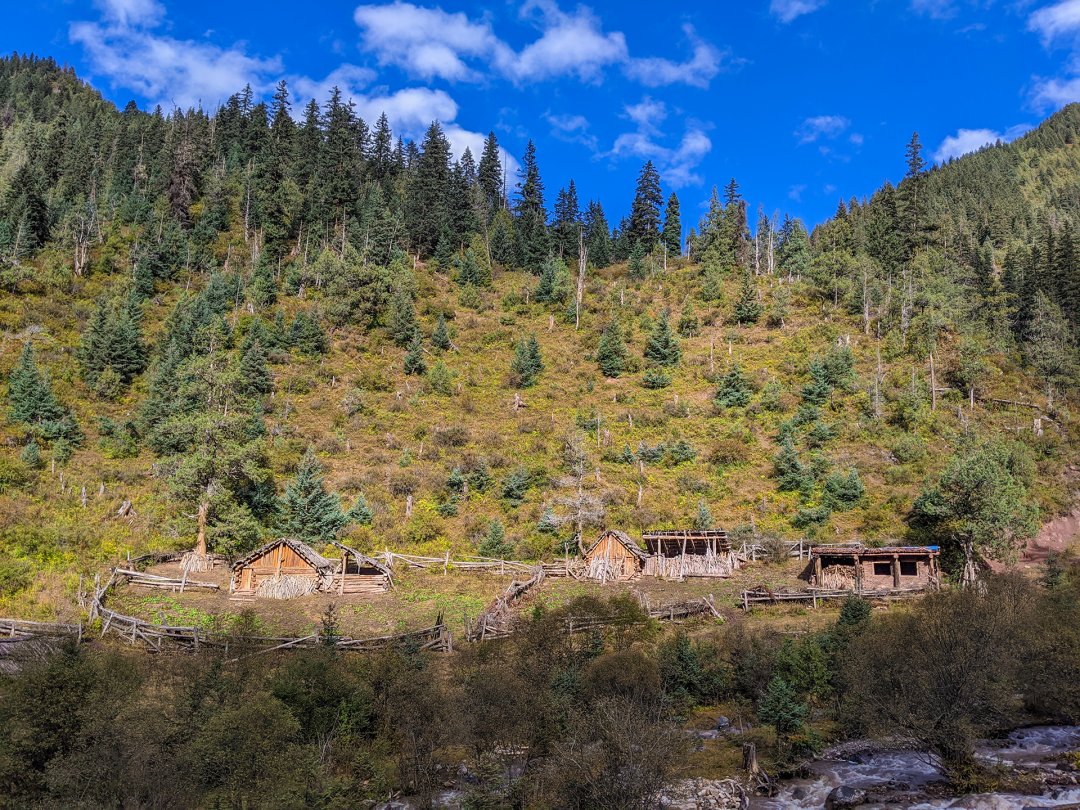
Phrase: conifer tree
[597,235]
[734,389]
[672,234]
[30,393]
[254,375]
[440,337]
[527,363]
[402,319]
[531,214]
[306,335]
[414,357]
[427,212]
[645,211]
[360,514]
[263,289]
[308,511]
[662,347]
[554,285]
[636,265]
[567,220]
[703,520]
[611,351]
[494,543]
[490,176]
[748,307]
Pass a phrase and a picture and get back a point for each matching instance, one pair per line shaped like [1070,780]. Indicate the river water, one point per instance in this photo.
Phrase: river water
[1038,747]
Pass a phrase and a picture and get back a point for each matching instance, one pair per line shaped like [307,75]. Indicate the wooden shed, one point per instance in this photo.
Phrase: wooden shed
[612,557]
[679,553]
[859,568]
[286,568]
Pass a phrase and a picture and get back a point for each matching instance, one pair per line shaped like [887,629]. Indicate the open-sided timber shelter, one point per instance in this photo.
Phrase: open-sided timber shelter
[858,568]
[613,556]
[682,553]
[286,568]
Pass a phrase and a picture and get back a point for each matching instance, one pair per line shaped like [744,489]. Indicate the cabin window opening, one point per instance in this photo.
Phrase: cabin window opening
[909,568]
[882,569]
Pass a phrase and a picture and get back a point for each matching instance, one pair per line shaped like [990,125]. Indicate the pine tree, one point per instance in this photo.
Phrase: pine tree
[662,347]
[636,265]
[611,351]
[440,379]
[703,520]
[440,337]
[672,234]
[567,222]
[597,235]
[748,307]
[490,176]
[263,288]
[30,393]
[308,511]
[734,389]
[414,357]
[531,214]
[427,212]
[401,322]
[554,285]
[527,363]
[494,543]
[645,211]
[306,335]
[360,514]
[254,376]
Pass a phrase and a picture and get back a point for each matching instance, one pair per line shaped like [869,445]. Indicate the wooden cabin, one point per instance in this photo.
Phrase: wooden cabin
[613,557]
[679,553]
[858,568]
[287,568]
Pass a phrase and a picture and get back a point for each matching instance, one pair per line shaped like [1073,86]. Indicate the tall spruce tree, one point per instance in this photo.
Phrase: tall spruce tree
[662,347]
[531,214]
[672,234]
[645,212]
[308,511]
[611,351]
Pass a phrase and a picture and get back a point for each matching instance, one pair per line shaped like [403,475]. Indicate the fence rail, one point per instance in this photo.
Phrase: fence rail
[814,595]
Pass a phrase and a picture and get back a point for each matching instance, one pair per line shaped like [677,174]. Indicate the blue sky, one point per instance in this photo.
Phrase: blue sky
[803,101]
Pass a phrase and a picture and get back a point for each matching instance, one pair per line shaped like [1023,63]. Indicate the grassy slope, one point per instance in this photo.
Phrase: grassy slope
[398,440]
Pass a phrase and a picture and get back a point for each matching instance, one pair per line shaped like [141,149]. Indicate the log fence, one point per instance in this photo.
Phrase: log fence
[815,595]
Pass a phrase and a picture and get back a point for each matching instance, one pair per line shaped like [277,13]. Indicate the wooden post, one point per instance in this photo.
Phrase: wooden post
[858,573]
[446,562]
[896,570]
[817,571]
[341,584]
[933,385]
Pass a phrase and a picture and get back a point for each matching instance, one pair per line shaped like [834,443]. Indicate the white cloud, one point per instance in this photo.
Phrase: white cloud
[1055,93]
[572,129]
[698,71]
[677,164]
[131,12]
[971,140]
[795,192]
[857,139]
[821,126]
[427,42]
[171,72]
[788,10]
[1056,21]
[430,43]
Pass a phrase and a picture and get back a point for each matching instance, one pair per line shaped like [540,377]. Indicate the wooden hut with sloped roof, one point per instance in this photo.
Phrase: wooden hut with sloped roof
[680,553]
[286,568]
[613,557]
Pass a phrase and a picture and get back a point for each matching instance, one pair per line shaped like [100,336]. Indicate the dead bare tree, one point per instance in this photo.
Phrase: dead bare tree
[578,507]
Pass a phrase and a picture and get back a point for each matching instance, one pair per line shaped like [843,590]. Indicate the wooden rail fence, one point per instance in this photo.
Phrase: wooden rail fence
[815,595]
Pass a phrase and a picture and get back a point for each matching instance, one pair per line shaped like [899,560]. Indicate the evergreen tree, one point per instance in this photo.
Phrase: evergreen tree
[662,347]
[30,393]
[645,211]
[611,351]
[554,285]
[494,543]
[427,213]
[672,233]
[414,357]
[490,176]
[308,512]
[637,266]
[567,221]
[306,335]
[527,363]
[531,214]
[734,390]
[781,708]
[748,307]
[254,376]
[401,322]
[263,288]
[703,520]
[360,514]
[597,235]
[440,337]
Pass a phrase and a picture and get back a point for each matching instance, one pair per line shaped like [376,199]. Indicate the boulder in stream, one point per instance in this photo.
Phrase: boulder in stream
[845,796]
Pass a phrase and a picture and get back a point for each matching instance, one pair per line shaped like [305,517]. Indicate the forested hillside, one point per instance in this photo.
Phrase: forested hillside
[270,322]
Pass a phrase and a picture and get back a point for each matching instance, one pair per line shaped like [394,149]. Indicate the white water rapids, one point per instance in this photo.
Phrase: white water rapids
[1037,747]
